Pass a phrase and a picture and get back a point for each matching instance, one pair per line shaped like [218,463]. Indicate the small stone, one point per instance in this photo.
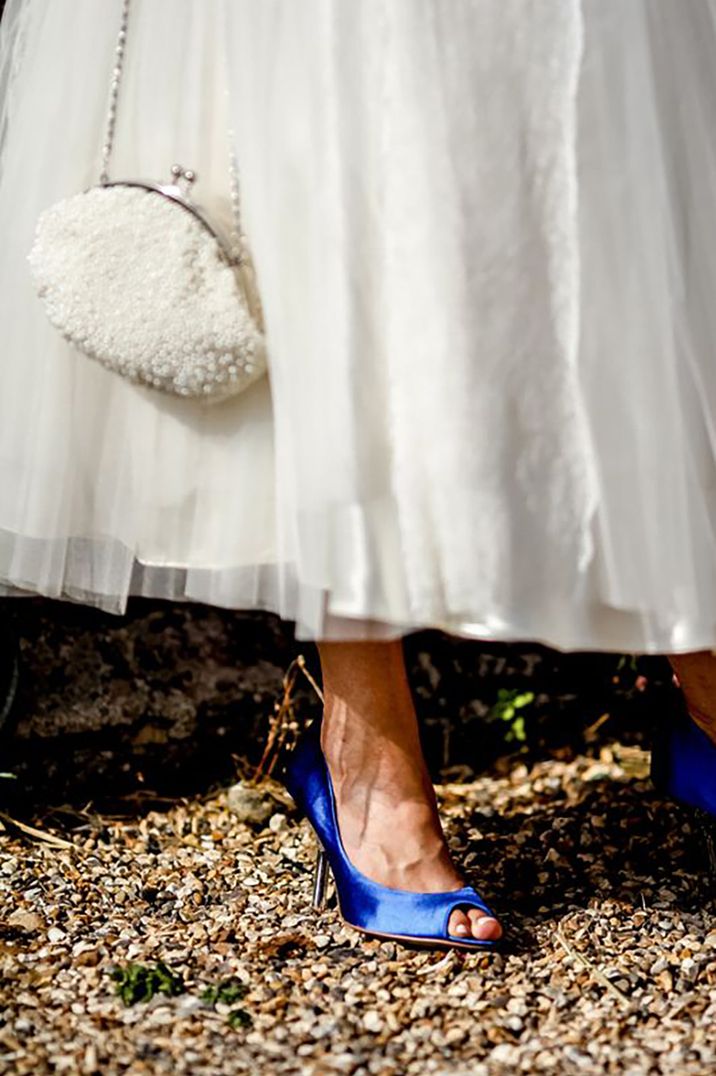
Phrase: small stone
[188,1005]
[249,804]
[27,921]
[503,1054]
[89,1061]
[455,1035]
[88,959]
[372,1021]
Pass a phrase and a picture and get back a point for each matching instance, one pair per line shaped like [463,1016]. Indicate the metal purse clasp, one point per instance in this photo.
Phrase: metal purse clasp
[179,193]
[174,187]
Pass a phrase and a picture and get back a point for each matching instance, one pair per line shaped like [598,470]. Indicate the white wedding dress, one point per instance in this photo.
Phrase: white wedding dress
[484,233]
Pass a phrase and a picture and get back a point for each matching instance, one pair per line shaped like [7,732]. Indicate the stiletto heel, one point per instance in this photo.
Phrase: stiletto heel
[320,880]
[400,914]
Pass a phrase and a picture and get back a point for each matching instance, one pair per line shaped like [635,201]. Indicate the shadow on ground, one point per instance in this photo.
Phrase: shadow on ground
[607,840]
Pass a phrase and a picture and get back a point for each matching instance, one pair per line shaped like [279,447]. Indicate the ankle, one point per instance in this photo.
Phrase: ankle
[701,717]
[694,675]
[388,779]
[356,734]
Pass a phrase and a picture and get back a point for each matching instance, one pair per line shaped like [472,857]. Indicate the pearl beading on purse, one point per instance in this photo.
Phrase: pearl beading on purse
[175,320]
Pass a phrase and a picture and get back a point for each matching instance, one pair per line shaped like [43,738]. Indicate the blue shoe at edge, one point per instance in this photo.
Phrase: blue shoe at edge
[684,765]
[400,914]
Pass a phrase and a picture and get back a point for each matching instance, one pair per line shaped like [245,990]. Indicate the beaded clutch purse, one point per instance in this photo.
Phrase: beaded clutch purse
[134,275]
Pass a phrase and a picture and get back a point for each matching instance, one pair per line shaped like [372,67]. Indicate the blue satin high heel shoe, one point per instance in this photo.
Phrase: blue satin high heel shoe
[683,767]
[683,762]
[416,918]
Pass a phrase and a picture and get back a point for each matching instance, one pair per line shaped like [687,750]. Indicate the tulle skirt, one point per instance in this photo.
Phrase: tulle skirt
[484,237]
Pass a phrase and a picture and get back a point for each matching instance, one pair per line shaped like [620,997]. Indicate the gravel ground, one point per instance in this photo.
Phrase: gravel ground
[202,920]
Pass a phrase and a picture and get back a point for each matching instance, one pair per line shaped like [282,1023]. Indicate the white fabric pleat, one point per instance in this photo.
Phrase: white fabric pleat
[482,232]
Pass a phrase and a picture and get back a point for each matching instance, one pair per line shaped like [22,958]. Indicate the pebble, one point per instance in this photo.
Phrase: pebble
[27,921]
[250,804]
[372,1021]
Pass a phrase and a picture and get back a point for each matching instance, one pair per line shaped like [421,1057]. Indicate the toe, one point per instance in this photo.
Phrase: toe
[459,924]
[482,926]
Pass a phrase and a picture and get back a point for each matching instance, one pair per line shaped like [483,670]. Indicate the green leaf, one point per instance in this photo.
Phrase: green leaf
[239,1018]
[518,729]
[227,992]
[140,982]
[524,699]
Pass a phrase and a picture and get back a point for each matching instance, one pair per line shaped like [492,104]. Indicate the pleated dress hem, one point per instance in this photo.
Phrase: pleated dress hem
[271,588]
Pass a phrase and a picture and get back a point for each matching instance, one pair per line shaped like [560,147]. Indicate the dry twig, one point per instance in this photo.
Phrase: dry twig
[38,834]
[284,725]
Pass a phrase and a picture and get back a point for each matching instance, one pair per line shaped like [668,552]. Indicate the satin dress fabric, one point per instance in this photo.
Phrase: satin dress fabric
[483,233]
